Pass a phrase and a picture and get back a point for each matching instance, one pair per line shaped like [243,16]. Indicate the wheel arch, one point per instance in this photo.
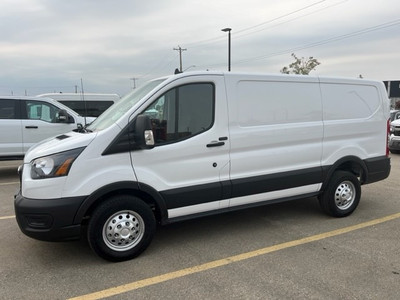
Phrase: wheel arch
[145,192]
[352,164]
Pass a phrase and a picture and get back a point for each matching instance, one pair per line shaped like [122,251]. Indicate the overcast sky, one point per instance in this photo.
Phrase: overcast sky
[50,45]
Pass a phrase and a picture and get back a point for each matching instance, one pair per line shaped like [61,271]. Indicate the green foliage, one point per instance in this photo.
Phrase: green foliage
[301,66]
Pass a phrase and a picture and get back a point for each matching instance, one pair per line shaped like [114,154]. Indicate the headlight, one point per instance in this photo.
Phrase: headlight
[391,128]
[55,165]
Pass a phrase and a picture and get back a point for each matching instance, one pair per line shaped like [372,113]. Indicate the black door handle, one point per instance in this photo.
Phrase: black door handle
[31,127]
[215,144]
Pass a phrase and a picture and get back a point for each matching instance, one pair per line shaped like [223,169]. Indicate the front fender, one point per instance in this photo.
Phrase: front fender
[121,187]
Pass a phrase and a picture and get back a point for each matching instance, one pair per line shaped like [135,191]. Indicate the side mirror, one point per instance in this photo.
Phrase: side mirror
[144,136]
[64,117]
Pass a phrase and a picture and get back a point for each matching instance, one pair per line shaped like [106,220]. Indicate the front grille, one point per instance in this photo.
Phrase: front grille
[396,130]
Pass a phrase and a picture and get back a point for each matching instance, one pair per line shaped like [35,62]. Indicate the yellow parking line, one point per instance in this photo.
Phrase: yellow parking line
[228,260]
[7,217]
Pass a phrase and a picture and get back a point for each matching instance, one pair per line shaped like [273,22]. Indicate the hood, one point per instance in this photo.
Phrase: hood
[60,143]
[395,122]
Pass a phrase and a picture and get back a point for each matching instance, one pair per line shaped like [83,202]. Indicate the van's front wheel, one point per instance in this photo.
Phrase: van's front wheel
[121,228]
[342,195]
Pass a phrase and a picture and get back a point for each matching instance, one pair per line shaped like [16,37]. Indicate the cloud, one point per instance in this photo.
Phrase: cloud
[52,44]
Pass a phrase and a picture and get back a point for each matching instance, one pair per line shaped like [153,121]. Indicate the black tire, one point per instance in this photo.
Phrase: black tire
[121,228]
[395,151]
[342,195]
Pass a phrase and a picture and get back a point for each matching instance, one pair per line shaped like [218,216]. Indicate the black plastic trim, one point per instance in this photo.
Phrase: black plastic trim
[48,219]
[346,164]
[198,194]
[378,168]
[91,199]
[275,182]
[118,187]
[192,195]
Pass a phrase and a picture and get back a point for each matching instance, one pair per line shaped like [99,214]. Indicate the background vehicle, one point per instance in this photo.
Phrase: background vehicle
[394,115]
[394,138]
[24,121]
[88,104]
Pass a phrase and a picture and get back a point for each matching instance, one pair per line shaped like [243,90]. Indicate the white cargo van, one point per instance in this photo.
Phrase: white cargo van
[202,143]
[24,121]
[87,105]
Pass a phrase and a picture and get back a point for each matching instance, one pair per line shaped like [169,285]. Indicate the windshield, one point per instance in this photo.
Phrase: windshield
[112,114]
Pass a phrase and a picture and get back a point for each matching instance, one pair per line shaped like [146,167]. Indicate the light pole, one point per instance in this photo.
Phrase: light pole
[228,30]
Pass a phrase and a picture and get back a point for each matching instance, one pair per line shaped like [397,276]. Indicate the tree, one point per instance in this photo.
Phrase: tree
[301,65]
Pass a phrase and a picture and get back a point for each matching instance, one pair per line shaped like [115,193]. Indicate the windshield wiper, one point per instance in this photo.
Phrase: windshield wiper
[82,129]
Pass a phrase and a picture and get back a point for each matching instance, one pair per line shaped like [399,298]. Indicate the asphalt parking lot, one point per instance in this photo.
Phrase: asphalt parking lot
[281,251]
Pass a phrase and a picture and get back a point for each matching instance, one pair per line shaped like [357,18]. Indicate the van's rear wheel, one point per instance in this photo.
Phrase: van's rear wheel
[342,195]
[121,228]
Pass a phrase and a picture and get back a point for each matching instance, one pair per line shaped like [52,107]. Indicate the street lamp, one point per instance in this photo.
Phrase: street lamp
[228,30]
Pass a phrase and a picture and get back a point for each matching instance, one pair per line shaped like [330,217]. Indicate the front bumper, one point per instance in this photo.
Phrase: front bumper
[394,143]
[48,220]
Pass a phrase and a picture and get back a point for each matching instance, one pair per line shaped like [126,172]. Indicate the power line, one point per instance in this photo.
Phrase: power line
[166,62]
[324,42]
[280,17]
[291,20]
[242,32]
[395,22]
[250,30]
[237,33]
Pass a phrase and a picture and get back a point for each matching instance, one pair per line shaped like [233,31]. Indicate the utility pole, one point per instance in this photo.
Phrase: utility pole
[134,82]
[180,56]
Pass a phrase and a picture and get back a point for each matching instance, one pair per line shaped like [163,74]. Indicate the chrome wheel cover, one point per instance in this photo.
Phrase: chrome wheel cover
[345,195]
[123,230]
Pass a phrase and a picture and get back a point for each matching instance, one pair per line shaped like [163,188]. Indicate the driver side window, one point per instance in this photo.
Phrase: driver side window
[38,110]
[182,112]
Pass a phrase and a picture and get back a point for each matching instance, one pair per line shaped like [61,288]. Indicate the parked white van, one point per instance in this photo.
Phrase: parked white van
[87,105]
[24,121]
[202,143]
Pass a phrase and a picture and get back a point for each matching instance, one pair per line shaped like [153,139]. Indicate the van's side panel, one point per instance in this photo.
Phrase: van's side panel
[276,136]
[354,120]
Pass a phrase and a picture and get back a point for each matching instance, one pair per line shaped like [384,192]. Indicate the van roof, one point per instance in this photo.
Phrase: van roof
[277,76]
